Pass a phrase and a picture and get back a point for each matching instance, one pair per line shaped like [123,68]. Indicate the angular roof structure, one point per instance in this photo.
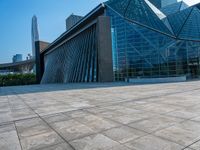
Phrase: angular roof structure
[174,8]
[191,27]
[186,23]
[142,13]
[177,20]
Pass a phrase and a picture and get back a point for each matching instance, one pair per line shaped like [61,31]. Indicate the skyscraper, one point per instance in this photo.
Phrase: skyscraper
[34,34]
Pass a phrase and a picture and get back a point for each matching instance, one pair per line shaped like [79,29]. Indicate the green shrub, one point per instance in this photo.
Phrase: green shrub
[17,79]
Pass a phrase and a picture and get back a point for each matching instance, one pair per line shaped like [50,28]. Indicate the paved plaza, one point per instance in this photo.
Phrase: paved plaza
[110,116]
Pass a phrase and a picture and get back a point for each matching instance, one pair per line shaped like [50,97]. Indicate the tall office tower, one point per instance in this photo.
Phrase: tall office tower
[72,20]
[162,3]
[34,34]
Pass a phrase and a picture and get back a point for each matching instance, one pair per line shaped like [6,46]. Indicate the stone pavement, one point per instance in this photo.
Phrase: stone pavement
[110,116]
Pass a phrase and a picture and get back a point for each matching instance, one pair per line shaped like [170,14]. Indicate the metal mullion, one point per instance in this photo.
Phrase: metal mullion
[86,61]
[95,56]
[65,64]
[89,57]
[78,57]
[83,62]
[93,51]
[71,60]
[81,58]
[75,57]
[68,47]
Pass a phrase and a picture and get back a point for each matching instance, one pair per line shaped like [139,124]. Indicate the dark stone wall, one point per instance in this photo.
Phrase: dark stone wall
[105,65]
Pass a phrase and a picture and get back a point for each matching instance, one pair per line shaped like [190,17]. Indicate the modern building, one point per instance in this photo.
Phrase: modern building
[17,58]
[72,20]
[121,40]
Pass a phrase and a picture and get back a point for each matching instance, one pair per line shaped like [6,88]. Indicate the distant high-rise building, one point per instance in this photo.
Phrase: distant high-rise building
[162,3]
[34,34]
[17,58]
[72,20]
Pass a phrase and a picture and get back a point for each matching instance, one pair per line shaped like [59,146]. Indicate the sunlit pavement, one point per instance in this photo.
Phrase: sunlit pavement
[109,116]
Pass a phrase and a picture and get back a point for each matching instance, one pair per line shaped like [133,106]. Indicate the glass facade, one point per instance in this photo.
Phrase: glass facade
[142,45]
[173,8]
[147,42]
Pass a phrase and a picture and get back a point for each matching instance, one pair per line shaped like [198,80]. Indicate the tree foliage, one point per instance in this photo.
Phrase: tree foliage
[17,79]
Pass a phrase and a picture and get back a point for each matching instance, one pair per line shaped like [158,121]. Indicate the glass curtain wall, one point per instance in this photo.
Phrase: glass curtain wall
[139,52]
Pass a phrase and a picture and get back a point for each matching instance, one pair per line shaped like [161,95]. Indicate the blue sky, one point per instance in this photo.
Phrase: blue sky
[15,26]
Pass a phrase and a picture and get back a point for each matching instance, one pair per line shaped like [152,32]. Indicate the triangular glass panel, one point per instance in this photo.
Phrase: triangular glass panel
[171,9]
[166,22]
[138,11]
[198,6]
[119,6]
[183,6]
[177,20]
[191,28]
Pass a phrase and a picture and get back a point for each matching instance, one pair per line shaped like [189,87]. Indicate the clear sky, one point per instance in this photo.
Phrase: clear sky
[15,24]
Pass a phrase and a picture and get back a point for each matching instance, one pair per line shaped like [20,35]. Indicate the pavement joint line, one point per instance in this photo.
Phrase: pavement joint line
[169,140]
[48,146]
[18,136]
[102,105]
[146,98]
[121,124]
[101,132]
[145,131]
[6,123]
[191,144]
[47,124]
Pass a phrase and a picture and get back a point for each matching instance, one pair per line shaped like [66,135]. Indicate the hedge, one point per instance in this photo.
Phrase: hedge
[17,79]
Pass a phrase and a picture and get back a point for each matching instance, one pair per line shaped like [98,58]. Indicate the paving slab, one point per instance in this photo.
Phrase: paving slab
[72,129]
[152,143]
[100,116]
[8,138]
[61,146]
[184,133]
[40,141]
[155,123]
[124,134]
[97,142]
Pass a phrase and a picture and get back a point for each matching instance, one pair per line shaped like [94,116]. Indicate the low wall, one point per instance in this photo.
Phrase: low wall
[158,80]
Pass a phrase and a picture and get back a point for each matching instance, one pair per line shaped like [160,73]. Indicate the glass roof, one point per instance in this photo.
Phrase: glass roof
[118,5]
[191,28]
[177,20]
[173,8]
[139,11]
